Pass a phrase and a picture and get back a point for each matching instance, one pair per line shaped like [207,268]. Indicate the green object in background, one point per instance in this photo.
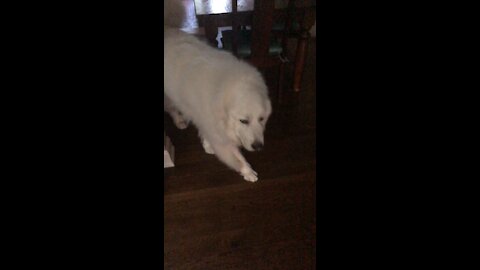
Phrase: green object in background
[244,41]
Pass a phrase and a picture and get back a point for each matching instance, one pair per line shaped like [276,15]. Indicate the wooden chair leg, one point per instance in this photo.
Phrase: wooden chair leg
[211,31]
[300,56]
[281,72]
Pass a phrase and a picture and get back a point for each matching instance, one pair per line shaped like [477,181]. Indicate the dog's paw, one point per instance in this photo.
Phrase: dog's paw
[181,124]
[249,174]
[207,147]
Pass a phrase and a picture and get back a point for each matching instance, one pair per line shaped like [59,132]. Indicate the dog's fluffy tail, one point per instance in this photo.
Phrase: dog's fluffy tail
[174,13]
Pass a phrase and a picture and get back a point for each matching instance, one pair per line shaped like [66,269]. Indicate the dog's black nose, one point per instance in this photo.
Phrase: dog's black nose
[257,146]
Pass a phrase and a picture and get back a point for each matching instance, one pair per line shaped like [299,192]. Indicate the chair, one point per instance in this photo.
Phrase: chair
[260,45]
[269,33]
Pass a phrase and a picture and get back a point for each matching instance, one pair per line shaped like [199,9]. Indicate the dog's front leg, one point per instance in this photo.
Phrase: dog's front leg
[231,156]
[246,170]
[207,146]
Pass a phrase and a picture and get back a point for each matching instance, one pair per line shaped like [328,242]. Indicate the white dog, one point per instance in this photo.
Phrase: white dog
[225,98]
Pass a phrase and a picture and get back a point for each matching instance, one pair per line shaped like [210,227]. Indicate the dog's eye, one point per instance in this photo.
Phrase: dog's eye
[243,121]
[260,119]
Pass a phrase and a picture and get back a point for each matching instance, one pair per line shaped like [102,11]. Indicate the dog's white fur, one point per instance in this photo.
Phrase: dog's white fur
[216,92]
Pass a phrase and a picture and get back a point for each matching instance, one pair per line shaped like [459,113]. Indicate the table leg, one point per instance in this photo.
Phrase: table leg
[300,59]
[211,30]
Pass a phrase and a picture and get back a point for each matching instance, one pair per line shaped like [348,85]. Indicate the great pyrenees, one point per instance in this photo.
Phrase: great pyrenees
[225,98]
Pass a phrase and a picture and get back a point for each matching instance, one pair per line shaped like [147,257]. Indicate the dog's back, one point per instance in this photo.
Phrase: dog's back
[197,76]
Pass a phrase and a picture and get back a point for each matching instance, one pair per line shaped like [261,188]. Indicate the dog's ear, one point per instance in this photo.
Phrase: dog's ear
[224,106]
[228,101]
[269,107]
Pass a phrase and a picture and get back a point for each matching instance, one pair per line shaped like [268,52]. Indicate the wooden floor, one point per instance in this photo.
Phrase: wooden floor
[216,220]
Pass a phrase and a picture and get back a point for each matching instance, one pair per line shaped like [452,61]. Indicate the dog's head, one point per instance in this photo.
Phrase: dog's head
[247,114]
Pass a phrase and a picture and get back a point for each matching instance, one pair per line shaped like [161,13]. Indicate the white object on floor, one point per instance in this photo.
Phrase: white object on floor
[313,30]
[168,152]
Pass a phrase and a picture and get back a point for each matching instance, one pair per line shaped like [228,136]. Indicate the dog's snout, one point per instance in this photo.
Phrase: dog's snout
[257,146]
